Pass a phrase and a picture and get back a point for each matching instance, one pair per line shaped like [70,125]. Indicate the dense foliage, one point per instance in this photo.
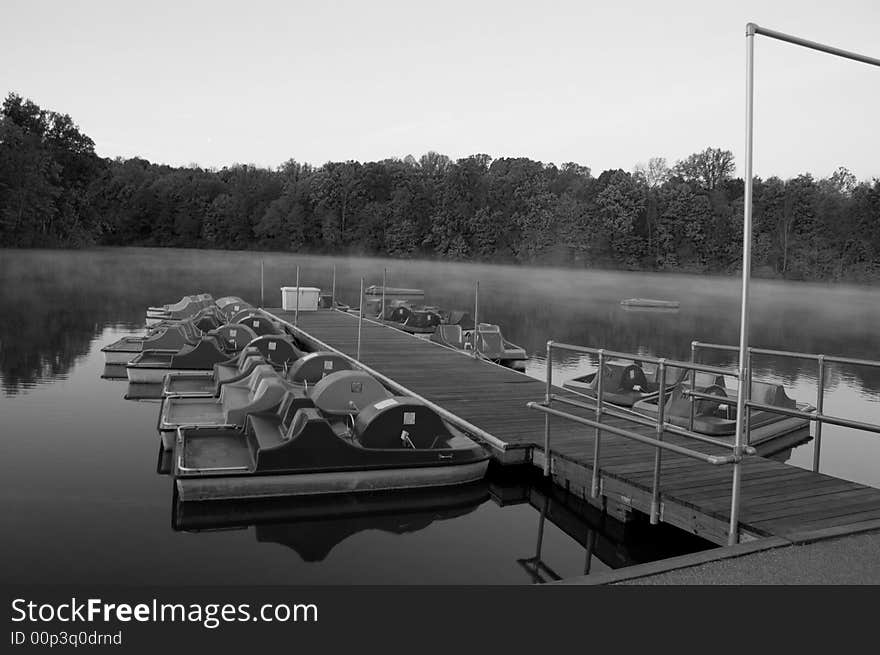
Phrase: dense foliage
[55,191]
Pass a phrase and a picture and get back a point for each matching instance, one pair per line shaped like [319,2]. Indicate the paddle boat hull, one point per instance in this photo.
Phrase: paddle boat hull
[346,434]
[769,432]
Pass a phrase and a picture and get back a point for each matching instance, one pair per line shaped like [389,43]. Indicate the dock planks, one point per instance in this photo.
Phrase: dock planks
[777,499]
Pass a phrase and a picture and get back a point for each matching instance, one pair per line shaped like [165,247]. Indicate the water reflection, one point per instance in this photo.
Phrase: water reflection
[584,537]
[313,526]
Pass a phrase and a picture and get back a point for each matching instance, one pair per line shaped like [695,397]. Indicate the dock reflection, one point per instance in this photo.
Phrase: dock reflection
[604,539]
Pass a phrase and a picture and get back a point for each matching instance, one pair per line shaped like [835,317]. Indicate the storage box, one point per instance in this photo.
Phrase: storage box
[308,298]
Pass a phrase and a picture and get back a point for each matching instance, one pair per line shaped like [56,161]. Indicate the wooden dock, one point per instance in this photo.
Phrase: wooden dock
[777,499]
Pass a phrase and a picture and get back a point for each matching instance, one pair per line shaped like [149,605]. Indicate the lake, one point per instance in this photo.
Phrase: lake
[83,501]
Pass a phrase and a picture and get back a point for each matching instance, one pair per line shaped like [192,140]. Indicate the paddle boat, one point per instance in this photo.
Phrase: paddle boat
[172,337]
[491,344]
[625,382]
[413,320]
[326,301]
[184,308]
[151,366]
[377,291]
[307,369]
[769,432]
[347,433]
[650,303]
[256,387]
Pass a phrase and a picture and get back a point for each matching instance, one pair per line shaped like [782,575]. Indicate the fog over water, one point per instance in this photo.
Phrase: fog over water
[79,480]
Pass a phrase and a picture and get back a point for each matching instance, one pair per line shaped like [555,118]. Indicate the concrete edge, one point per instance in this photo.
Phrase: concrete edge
[681,562]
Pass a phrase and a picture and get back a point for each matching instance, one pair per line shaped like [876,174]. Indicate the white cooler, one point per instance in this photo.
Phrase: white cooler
[308,298]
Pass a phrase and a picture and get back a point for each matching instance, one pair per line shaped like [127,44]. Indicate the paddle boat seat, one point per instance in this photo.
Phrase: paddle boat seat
[208,383]
[260,324]
[278,350]
[234,336]
[449,335]
[261,391]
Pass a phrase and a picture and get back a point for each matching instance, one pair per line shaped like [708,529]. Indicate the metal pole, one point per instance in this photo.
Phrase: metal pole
[693,386]
[820,401]
[733,536]
[333,290]
[658,453]
[296,311]
[591,545]
[548,398]
[594,484]
[262,294]
[384,282]
[360,320]
[476,318]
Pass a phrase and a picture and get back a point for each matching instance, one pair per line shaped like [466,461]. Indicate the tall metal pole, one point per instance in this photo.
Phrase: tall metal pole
[384,281]
[476,318]
[333,290]
[262,294]
[360,320]
[296,311]
[733,535]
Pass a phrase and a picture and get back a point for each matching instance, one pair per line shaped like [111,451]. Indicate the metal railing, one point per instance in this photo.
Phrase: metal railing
[816,416]
[660,425]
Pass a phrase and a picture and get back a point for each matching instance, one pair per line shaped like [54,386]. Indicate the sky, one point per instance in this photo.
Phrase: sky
[606,85]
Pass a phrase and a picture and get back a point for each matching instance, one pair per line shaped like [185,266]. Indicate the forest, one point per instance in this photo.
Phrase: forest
[56,192]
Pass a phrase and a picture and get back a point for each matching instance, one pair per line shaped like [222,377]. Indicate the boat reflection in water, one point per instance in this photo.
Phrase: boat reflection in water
[313,525]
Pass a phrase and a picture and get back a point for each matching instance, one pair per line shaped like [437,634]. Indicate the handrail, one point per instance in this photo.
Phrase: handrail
[850,361]
[660,425]
[635,436]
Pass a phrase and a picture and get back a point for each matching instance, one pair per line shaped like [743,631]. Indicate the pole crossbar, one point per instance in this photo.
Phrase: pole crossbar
[812,45]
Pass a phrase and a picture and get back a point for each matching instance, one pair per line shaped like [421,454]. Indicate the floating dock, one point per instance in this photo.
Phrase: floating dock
[777,499]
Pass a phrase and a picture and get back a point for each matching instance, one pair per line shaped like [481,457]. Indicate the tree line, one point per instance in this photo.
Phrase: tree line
[56,192]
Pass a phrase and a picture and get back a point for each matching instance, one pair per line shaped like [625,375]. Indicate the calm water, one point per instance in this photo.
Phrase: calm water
[82,499]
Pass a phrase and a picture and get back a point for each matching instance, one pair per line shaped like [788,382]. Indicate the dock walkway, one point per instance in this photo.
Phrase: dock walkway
[777,499]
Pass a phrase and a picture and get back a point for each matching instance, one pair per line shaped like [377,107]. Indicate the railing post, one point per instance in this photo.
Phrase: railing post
[747,419]
[548,399]
[296,311]
[333,290]
[360,320]
[262,292]
[820,401]
[476,318]
[693,385]
[597,440]
[658,453]
[384,283]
